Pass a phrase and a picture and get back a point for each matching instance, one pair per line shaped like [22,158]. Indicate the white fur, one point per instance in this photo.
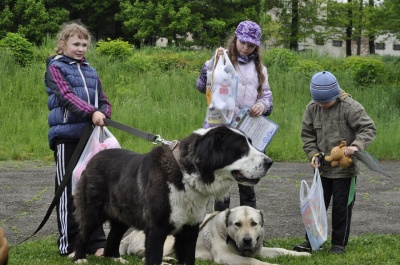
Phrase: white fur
[212,244]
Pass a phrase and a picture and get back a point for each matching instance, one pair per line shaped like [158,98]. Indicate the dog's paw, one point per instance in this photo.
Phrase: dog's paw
[306,254]
[164,259]
[169,259]
[121,260]
[81,261]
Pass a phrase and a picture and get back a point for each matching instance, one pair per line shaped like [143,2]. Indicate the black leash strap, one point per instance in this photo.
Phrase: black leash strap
[68,173]
[75,158]
[131,130]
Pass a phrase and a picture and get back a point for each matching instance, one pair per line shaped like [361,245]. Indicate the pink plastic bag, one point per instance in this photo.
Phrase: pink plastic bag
[100,139]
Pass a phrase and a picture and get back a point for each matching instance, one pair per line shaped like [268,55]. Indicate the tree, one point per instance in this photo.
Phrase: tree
[30,18]
[98,16]
[349,29]
[294,32]
[390,10]
[210,22]
[301,19]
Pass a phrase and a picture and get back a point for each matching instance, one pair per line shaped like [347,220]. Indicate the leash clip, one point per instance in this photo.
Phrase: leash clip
[161,140]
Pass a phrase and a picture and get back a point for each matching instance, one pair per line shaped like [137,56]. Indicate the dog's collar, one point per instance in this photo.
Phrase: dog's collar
[174,147]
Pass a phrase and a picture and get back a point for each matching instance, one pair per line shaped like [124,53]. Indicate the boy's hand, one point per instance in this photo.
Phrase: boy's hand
[350,150]
[315,160]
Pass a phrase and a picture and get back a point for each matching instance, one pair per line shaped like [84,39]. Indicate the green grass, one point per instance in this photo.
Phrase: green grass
[367,249]
[166,102]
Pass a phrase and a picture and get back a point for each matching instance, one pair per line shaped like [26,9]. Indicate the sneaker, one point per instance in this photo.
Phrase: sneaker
[336,249]
[304,247]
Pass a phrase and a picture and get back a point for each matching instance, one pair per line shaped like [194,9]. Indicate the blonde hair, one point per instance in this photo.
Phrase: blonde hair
[233,56]
[68,30]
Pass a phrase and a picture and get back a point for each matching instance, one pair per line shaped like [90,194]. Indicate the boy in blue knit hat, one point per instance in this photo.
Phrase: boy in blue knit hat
[331,117]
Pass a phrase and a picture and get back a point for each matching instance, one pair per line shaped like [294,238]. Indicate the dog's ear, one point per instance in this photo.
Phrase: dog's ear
[227,214]
[262,217]
[208,155]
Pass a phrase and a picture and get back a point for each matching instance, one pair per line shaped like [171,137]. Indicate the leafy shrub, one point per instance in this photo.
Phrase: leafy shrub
[139,63]
[283,58]
[167,59]
[366,70]
[392,64]
[307,68]
[115,49]
[20,47]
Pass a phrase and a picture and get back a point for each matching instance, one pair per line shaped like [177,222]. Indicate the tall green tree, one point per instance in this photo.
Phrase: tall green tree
[389,12]
[97,15]
[301,19]
[30,18]
[210,22]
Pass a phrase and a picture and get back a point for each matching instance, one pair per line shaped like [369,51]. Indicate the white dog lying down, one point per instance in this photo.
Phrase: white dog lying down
[234,236]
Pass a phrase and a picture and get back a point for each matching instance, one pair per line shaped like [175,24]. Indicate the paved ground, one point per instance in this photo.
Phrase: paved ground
[26,190]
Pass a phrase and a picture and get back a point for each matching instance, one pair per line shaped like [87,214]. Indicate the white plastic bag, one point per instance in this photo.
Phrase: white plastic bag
[313,212]
[224,89]
[100,139]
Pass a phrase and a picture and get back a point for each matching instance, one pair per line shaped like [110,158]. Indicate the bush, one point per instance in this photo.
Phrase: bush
[307,68]
[166,60]
[115,49]
[366,70]
[20,47]
[139,63]
[284,58]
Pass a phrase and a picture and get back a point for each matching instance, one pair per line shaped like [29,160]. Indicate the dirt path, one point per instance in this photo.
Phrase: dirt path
[27,188]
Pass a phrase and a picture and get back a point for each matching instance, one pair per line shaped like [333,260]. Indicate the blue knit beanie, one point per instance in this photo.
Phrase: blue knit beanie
[324,87]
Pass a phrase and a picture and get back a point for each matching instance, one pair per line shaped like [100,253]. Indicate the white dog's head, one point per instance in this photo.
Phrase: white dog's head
[245,229]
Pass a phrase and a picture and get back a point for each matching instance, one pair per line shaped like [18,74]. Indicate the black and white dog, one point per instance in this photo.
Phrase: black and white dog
[165,191]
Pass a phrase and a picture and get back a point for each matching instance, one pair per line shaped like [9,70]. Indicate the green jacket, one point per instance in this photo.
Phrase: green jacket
[323,129]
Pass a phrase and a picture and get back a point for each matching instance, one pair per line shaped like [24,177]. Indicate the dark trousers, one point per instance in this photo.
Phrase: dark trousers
[68,228]
[247,197]
[342,193]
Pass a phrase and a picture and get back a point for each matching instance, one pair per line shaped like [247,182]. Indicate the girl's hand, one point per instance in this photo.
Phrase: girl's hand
[97,118]
[256,110]
[220,52]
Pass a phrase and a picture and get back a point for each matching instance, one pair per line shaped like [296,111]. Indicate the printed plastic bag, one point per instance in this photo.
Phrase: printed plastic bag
[100,139]
[313,212]
[222,82]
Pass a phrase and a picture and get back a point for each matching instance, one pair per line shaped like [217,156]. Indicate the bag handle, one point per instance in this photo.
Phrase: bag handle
[304,185]
[209,85]
[96,99]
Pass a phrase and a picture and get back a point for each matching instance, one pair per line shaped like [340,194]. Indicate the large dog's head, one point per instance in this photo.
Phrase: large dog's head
[245,229]
[223,153]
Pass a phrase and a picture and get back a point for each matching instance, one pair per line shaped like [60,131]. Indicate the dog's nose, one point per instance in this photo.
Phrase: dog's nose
[247,240]
[267,162]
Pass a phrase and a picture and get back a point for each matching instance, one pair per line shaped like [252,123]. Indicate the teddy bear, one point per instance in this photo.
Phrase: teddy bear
[338,158]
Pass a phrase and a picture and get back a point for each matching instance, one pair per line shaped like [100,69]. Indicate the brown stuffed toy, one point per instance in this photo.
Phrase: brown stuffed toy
[338,158]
